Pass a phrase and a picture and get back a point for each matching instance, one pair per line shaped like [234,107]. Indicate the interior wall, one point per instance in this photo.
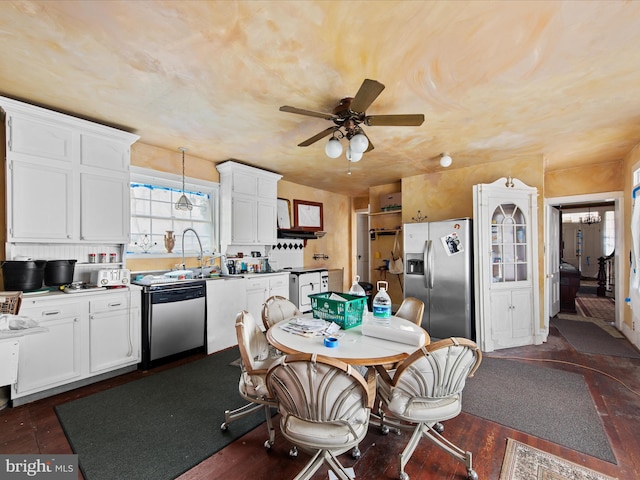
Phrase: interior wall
[631,161]
[608,177]
[337,223]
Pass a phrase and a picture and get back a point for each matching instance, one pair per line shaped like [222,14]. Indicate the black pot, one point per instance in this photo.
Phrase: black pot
[23,275]
[59,272]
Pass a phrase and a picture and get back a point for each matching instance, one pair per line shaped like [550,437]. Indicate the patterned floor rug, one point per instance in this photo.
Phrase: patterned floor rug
[523,462]
[597,307]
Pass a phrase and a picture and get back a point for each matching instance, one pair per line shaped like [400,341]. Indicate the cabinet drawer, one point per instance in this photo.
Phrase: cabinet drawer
[107,303]
[280,281]
[50,311]
[257,283]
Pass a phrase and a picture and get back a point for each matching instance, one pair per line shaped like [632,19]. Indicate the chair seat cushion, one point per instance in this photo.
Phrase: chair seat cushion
[325,435]
[253,386]
[407,406]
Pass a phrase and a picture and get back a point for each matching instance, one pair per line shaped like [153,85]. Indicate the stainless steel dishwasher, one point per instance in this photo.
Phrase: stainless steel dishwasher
[173,320]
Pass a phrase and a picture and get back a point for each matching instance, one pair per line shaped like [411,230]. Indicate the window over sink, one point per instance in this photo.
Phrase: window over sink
[153,196]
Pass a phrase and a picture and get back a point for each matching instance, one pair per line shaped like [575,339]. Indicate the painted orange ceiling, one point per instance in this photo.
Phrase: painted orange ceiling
[551,81]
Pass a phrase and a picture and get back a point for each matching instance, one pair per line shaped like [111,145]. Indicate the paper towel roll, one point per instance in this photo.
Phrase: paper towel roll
[394,333]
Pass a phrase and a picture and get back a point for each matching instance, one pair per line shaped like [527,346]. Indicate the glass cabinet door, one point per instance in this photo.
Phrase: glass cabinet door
[509,238]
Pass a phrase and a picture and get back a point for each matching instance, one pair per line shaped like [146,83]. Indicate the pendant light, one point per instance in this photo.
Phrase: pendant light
[183,202]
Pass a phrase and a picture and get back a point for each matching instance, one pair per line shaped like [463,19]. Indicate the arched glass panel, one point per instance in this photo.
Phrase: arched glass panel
[509,238]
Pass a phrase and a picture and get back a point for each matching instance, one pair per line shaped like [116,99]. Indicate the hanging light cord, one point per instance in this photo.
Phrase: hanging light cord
[570,363]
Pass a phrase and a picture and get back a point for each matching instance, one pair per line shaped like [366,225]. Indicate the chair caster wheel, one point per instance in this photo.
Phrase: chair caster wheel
[384,430]
[267,444]
[404,476]
[471,474]
[355,453]
[438,427]
[224,427]
[293,453]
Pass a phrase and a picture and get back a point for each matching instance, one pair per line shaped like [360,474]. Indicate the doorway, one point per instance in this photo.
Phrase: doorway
[578,201]
[362,245]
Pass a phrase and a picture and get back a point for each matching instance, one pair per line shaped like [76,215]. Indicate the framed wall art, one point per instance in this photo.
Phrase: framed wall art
[284,213]
[307,215]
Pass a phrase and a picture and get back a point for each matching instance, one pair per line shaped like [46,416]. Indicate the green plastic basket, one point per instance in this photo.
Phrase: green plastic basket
[346,314]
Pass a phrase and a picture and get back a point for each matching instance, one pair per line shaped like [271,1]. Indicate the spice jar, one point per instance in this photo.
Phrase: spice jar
[113,258]
[92,258]
[103,258]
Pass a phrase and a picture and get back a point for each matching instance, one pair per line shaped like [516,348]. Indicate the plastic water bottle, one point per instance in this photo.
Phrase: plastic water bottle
[357,290]
[382,302]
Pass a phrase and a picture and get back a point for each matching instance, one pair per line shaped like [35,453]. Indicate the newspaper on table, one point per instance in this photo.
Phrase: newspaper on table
[310,327]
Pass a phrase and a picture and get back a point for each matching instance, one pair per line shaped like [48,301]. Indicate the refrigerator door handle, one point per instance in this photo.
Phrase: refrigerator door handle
[428,263]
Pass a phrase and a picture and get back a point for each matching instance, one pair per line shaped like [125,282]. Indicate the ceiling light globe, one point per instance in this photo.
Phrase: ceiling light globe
[333,149]
[353,156]
[359,143]
[445,160]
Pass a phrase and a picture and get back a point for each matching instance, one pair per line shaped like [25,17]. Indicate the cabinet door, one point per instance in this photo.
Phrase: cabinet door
[501,315]
[279,285]
[8,361]
[41,202]
[257,292]
[225,298]
[104,208]
[110,341]
[51,358]
[267,218]
[103,152]
[522,323]
[39,138]
[243,220]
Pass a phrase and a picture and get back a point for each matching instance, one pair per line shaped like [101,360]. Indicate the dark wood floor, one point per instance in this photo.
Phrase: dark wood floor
[34,428]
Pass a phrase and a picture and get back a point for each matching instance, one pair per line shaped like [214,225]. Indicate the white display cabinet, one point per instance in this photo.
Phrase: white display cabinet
[506,259]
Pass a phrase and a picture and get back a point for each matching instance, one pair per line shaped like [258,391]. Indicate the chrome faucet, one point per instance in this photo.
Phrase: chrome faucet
[201,257]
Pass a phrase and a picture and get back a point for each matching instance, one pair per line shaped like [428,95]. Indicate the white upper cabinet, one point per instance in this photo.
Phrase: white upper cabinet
[67,179]
[248,205]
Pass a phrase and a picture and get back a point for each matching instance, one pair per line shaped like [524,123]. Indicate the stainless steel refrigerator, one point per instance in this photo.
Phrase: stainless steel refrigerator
[438,269]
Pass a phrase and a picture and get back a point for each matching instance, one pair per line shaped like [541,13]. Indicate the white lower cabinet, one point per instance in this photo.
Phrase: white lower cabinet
[113,342]
[225,298]
[88,334]
[511,314]
[9,349]
[51,358]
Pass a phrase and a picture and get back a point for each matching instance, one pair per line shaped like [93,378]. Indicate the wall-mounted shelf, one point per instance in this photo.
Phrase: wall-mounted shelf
[373,233]
[388,212]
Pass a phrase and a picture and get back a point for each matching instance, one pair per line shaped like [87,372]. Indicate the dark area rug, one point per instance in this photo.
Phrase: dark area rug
[160,426]
[587,337]
[541,401]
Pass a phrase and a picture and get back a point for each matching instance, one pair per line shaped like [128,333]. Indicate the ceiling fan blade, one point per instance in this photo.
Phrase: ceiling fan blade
[395,120]
[309,113]
[317,137]
[368,92]
[370,147]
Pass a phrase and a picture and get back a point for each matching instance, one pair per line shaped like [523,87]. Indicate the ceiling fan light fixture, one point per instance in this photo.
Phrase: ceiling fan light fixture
[359,143]
[353,156]
[445,160]
[183,203]
[333,149]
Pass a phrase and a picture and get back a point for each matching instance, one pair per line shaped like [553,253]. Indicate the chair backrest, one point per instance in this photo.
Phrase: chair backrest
[438,370]
[319,389]
[254,348]
[411,309]
[276,309]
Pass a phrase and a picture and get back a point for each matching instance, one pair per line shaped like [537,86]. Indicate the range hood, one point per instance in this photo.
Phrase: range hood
[306,235]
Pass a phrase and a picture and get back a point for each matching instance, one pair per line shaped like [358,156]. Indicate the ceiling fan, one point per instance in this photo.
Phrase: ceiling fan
[348,116]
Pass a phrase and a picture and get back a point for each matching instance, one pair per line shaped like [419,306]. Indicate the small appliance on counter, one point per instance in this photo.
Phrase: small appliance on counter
[81,287]
[110,277]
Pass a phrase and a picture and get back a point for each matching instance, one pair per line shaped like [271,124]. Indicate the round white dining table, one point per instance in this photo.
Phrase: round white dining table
[353,347]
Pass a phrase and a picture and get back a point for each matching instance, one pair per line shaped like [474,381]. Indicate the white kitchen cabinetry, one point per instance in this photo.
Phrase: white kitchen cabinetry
[90,336]
[113,339]
[262,286]
[225,298]
[9,349]
[506,259]
[67,178]
[248,205]
[51,358]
